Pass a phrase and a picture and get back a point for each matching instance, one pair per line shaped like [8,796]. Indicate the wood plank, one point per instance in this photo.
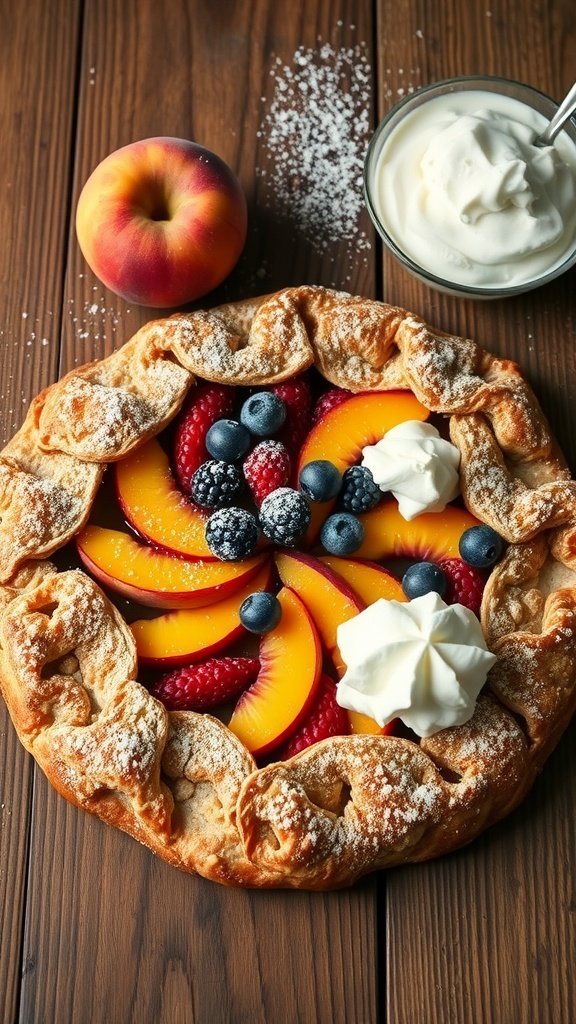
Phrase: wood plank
[37,73]
[488,934]
[113,934]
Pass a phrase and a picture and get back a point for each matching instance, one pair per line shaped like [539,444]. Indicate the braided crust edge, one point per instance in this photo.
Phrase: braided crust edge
[181,782]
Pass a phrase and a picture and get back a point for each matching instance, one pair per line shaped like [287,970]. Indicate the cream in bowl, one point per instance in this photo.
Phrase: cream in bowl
[464,197]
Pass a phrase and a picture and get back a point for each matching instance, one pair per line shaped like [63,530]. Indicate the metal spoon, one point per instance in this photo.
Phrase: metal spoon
[566,108]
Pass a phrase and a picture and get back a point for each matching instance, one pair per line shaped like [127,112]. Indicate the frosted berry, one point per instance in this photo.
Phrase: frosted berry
[216,484]
[205,404]
[341,534]
[206,684]
[231,534]
[481,546]
[297,398]
[227,440]
[329,400]
[326,718]
[285,516]
[359,492]
[464,584]
[320,480]
[263,413]
[423,578]
[266,468]
[260,612]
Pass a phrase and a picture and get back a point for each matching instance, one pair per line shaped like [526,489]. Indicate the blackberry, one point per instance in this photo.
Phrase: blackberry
[359,491]
[216,484]
[231,534]
[285,516]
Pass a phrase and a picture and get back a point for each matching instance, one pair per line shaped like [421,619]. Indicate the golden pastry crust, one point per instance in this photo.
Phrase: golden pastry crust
[181,782]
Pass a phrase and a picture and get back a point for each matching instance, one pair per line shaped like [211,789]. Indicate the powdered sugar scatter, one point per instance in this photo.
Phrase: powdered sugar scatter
[314,135]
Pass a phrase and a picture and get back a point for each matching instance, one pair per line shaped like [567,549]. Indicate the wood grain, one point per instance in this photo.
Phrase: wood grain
[487,934]
[38,49]
[113,934]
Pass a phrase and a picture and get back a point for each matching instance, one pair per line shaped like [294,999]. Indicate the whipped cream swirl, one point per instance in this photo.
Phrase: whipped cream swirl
[417,465]
[424,662]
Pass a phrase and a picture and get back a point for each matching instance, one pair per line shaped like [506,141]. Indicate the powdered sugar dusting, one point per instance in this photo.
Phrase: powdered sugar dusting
[314,137]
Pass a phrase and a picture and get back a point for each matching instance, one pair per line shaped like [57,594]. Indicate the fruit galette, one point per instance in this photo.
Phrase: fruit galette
[338,626]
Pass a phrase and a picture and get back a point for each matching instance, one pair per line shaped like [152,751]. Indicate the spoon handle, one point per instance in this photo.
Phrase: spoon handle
[566,108]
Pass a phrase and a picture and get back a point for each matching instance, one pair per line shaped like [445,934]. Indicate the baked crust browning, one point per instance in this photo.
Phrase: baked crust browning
[102,411]
[181,782]
[45,498]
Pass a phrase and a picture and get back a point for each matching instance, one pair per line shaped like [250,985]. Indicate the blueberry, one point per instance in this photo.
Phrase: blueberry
[320,480]
[227,440]
[423,578]
[341,534]
[481,546]
[260,612]
[263,413]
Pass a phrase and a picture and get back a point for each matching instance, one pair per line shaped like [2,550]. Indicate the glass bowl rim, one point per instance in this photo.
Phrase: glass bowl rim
[491,291]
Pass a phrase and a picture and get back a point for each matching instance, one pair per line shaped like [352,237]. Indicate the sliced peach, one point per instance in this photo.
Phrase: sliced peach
[291,663]
[368,580]
[328,598]
[368,726]
[155,507]
[330,601]
[181,637]
[429,537]
[343,432]
[156,579]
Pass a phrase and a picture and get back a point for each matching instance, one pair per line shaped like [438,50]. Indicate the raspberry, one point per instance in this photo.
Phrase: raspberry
[266,468]
[205,684]
[206,404]
[285,516]
[465,585]
[329,400]
[296,396]
[216,484]
[326,718]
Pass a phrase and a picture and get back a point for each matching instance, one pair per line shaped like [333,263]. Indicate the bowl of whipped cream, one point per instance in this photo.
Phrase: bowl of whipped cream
[463,196]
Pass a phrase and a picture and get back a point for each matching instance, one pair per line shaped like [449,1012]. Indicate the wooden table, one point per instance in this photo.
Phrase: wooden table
[92,927]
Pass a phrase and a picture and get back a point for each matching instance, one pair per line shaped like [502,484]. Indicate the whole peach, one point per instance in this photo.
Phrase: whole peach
[161,221]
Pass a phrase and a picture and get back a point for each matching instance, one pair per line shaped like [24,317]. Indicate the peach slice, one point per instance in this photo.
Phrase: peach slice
[291,663]
[346,429]
[368,580]
[156,579]
[155,507]
[181,637]
[328,598]
[330,601]
[429,537]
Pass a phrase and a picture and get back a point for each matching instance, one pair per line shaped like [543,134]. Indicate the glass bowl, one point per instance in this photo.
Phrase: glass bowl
[507,88]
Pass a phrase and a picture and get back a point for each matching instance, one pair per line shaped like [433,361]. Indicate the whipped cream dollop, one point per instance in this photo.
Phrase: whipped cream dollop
[424,662]
[418,466]
[464,191]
